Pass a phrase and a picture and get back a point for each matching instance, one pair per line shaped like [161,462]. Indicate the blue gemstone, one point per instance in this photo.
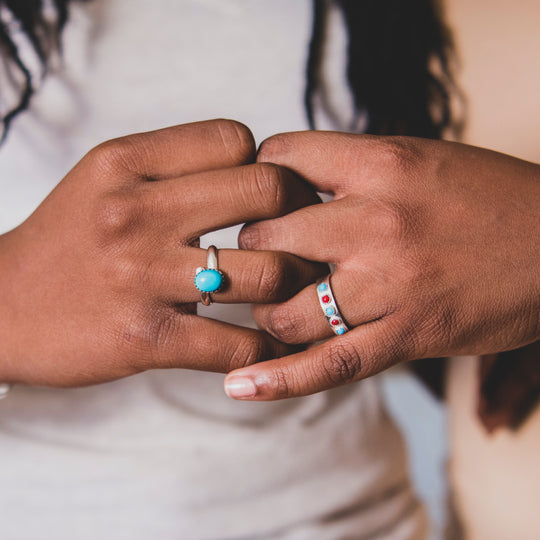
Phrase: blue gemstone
[208,280]
[322,287]
[340,331]
[329,311]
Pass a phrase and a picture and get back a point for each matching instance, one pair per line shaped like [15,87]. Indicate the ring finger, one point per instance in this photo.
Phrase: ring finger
[302,319]
[248,276]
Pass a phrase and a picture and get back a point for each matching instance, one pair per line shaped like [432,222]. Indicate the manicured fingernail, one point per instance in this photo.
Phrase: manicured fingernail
[240,387]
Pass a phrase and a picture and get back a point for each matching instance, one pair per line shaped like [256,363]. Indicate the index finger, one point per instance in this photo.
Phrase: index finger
[177,151]
[330,161]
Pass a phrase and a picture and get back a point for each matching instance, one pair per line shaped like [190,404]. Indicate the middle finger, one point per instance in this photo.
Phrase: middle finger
[196,204]
[360,298]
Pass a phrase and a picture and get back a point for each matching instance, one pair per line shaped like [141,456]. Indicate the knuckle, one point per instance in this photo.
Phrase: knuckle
[397,154]
[237,140]
[250,237]
[392,220]
[343,363]
[281,386]
[150,333]
[273,147]
[114,155]
[249,350]
[164,331]
[286,325]
[270,187]
[120,271]
[134,336]
[116,214]
[400,222]
[274,278]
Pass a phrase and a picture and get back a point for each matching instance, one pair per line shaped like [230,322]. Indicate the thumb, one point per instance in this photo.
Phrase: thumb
[360,353]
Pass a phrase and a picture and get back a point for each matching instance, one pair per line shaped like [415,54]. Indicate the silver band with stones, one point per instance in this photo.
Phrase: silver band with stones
[329,306]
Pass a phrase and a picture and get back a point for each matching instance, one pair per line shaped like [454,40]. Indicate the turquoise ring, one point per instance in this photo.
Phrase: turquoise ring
[210,279]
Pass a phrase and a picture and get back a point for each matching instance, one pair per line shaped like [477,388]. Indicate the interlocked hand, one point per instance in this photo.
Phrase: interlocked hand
[435,247]
[99,282]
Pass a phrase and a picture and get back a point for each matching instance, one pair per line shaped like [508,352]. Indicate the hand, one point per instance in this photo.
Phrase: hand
[98,283]
[435,246]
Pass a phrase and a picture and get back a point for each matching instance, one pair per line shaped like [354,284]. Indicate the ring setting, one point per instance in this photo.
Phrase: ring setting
[210,279]
[329,307]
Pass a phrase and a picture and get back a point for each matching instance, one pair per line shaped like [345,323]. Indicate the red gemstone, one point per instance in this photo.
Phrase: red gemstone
[335,322]
[325,299]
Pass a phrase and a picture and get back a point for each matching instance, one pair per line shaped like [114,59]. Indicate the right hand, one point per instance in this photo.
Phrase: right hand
[97,283]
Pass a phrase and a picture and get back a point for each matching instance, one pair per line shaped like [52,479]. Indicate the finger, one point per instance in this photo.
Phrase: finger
[332,162]
[321,232]
[259,277]
[360,299]
[176,151]
[356,355]
[191,342]
[217,199]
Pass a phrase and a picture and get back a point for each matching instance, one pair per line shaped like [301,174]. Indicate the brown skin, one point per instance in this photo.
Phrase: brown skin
[436,253]
[98,283]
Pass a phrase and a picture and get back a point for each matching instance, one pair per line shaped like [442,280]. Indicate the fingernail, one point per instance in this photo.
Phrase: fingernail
[240,388]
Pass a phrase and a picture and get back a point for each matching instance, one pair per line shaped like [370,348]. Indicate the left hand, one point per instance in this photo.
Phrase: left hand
[97,284]
[435,247]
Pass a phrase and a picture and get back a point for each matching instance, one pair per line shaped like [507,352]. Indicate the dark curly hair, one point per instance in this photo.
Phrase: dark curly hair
[42,27]
[399,60]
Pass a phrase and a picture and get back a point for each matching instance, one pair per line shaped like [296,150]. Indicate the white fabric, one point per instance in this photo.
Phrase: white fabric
[166,454]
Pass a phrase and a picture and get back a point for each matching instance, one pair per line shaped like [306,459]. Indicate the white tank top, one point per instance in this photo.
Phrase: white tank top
[165,454]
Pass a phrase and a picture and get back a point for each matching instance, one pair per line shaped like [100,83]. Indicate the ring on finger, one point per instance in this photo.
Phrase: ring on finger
[328,304]
[209,280]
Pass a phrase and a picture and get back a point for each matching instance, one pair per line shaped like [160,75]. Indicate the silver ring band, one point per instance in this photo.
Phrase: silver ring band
[329,306]
[211,258]
[209,280]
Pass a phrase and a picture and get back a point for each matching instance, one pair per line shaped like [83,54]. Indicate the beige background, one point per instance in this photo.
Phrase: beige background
[498,43]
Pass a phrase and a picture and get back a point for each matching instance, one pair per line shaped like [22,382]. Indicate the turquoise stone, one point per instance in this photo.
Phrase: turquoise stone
[330,311]
[322,287]
[208,280]
[340,331]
